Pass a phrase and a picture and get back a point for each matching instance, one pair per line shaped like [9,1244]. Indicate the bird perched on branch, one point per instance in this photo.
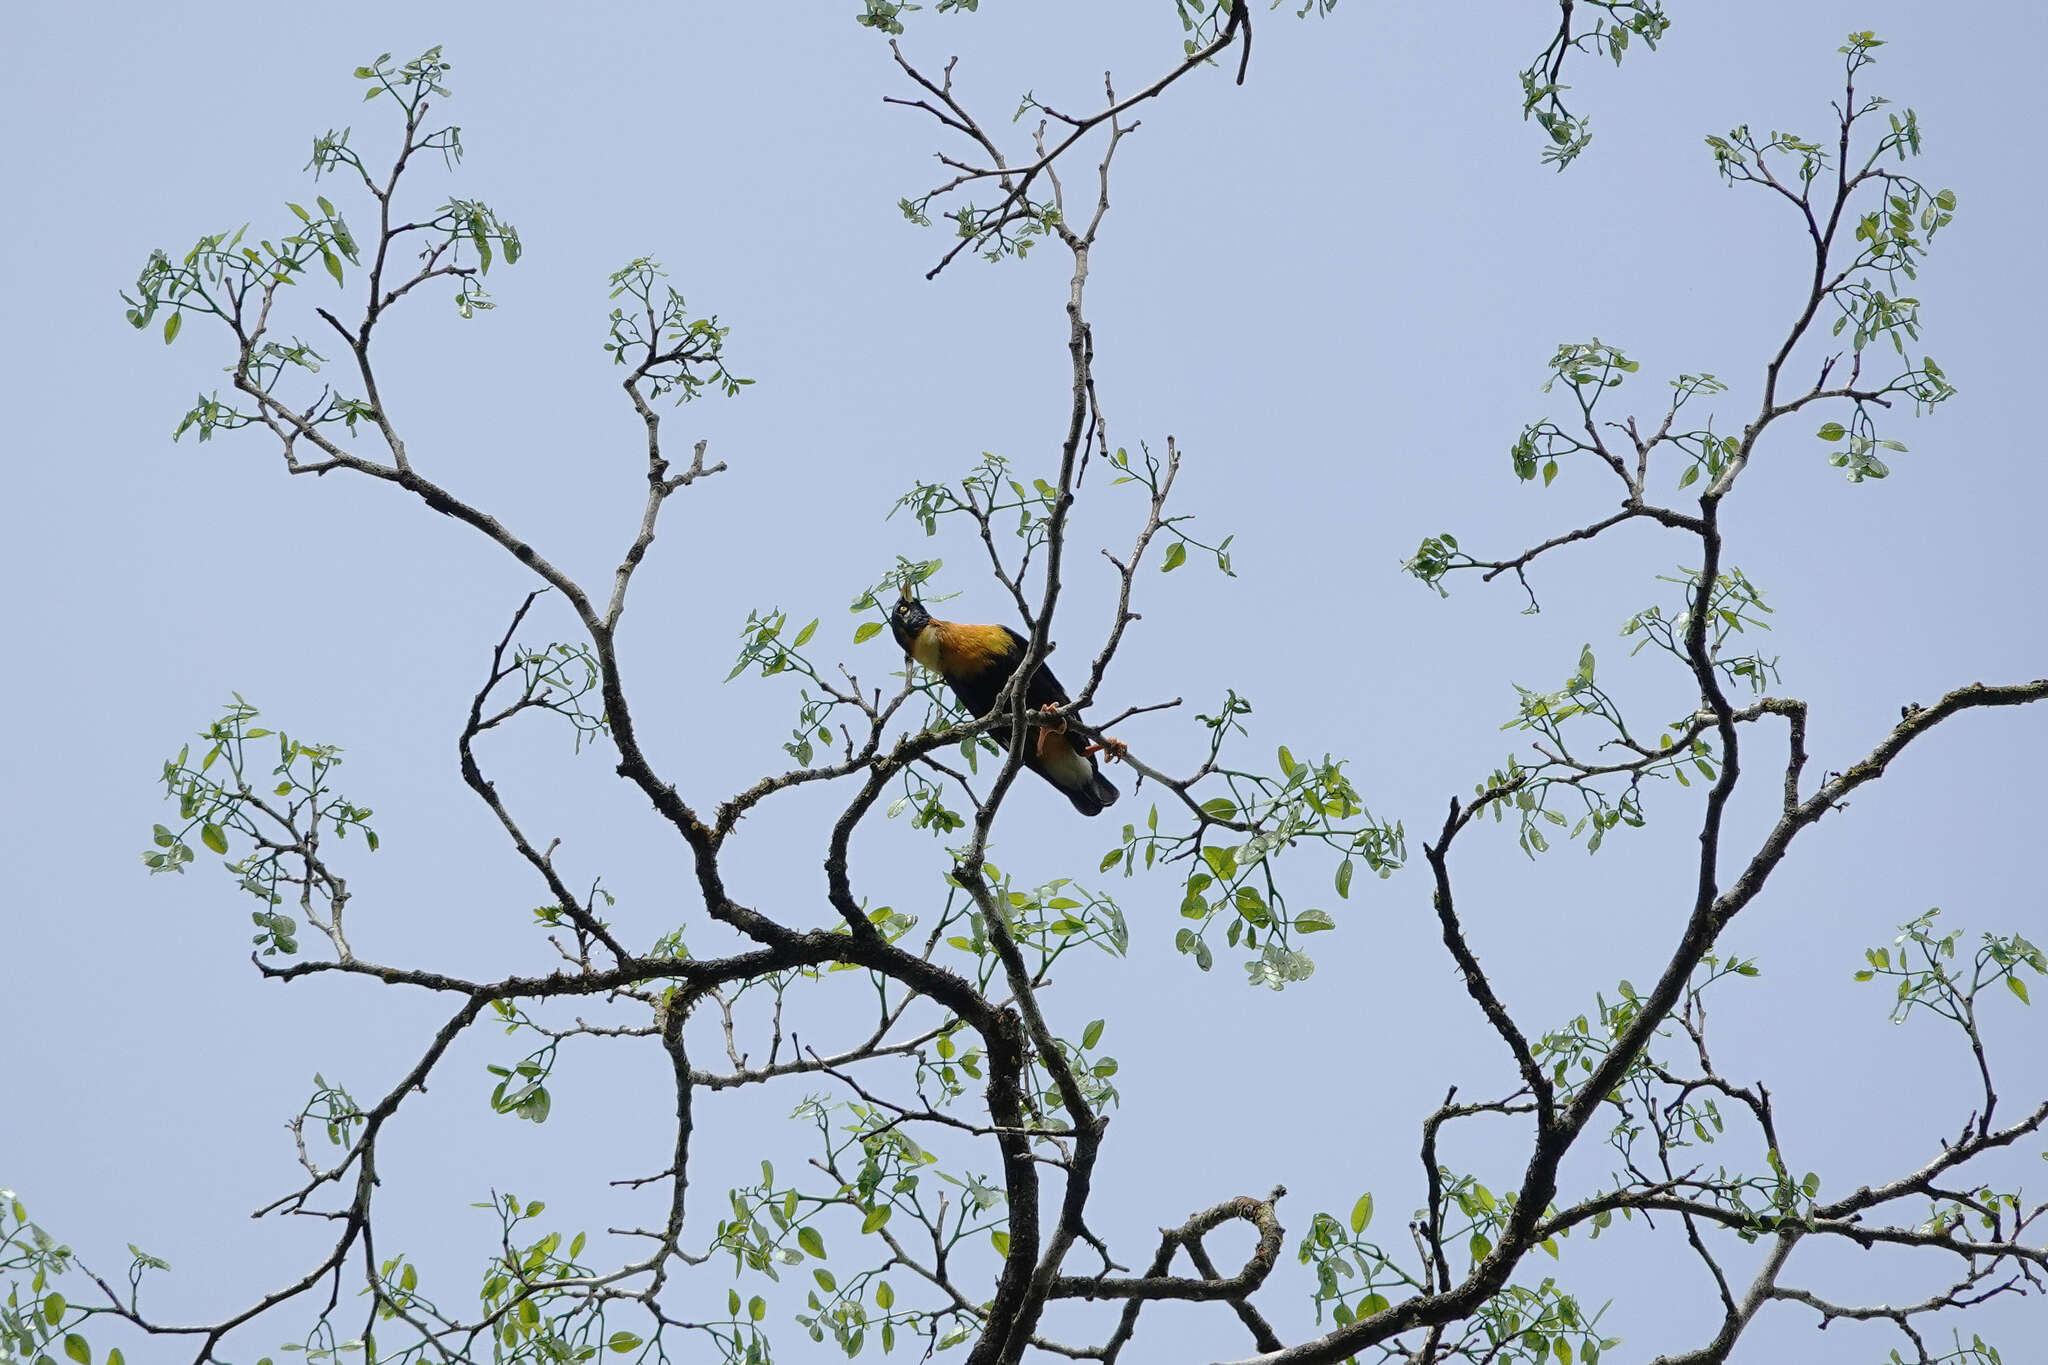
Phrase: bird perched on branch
[975,661]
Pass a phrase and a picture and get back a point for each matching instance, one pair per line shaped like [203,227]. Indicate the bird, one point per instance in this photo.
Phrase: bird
[975,661]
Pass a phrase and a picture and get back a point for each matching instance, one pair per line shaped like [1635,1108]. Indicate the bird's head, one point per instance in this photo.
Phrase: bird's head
[909,619]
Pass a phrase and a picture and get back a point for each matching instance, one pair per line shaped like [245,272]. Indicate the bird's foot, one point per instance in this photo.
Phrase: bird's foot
[1061,727]
[1111,748]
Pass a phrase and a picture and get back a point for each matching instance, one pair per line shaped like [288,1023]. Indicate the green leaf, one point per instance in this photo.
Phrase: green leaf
[1833,431]
[1344,879]
[811,1240]
[1313,921]
[803,637]
[213,837]
[866,631]
[1092,1035]
[1176,555]
[1001,1241]
[2019,988]
[171,326]
[622,1342]
[332,262]
[878,1217]
[1549,472]
[75,1347]
[1361,1213]
[53,1309]
[757,1307]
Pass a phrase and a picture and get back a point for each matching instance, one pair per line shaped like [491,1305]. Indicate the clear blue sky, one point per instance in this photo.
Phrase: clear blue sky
[1337,287]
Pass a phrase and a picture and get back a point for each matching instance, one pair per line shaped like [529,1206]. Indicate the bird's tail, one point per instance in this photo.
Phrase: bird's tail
[1097,796]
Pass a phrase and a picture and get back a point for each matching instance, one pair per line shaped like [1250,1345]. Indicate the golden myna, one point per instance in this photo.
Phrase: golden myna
[976,661]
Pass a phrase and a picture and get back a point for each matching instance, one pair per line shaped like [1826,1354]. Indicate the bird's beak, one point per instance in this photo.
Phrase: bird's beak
[904,594]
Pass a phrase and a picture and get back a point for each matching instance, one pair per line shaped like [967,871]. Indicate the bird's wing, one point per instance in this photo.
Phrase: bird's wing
[1044,689]
[975,660]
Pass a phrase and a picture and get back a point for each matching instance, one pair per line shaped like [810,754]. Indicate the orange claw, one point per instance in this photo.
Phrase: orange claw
[1109,747]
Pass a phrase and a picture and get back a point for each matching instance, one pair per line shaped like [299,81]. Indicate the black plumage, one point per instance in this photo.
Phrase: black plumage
[976,661]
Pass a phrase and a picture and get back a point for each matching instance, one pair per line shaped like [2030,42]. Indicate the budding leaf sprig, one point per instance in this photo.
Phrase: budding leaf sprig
[219,802]
[655,334]
[1237,882]
[1929,976]
[1615,25]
